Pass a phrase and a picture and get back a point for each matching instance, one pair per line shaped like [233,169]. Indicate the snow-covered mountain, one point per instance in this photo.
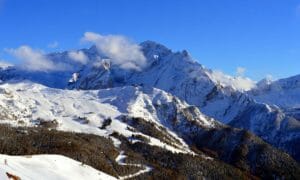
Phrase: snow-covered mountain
[284,93]
[172,91]
[139,115]
[178,74]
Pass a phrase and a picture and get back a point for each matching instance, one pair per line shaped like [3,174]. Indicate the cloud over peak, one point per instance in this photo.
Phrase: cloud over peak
[239,82]
[119,49]
[35,60]
[78,56]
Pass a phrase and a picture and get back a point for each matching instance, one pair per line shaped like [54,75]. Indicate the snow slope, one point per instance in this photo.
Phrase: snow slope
[48,167]
[29,104]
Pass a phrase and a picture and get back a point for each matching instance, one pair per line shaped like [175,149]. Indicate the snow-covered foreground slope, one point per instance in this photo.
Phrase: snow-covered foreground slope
[48,167]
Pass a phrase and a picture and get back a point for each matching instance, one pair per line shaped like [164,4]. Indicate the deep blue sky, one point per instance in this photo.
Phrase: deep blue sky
[262,36]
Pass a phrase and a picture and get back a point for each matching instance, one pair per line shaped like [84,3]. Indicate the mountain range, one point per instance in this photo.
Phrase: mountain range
[171,109]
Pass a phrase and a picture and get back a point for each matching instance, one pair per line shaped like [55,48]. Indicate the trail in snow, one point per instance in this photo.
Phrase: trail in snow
[121,161]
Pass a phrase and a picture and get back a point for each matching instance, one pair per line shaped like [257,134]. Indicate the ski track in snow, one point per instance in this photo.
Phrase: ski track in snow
[121,161]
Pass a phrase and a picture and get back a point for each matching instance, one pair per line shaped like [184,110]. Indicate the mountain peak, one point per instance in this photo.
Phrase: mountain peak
[264,83]
[149,43]
[154,48]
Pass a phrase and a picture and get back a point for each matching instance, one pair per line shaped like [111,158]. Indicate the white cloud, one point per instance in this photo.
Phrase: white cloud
[78,56]
[119,49]
[240,71]
[53,45]
[35,60]
[239,82]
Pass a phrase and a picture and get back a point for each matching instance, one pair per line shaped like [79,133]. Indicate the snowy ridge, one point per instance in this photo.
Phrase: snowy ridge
[284,93]
[31,104]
